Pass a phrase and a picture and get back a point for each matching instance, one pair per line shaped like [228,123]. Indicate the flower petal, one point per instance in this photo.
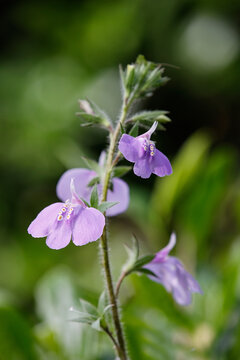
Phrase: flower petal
[142,168]
[88,226]
[130,147]
[44,222]
[180,288]
[172,275]
[60,236]
[193,285]
[161,255]
[149,133]
[81,179]
[160,164]
[119,193]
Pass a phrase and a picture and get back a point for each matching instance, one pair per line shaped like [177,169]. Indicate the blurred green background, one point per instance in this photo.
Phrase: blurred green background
[55,52]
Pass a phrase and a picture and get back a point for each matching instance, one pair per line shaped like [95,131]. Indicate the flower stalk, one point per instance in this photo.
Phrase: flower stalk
[121,349]
[119,282]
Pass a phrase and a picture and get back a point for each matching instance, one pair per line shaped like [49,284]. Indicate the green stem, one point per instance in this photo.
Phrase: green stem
[121,349]
[119,283]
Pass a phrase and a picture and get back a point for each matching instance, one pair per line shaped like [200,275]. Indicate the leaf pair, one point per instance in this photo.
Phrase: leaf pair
[91,114]
[92,315]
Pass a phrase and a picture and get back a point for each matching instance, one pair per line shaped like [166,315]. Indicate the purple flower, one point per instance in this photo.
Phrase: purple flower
[62,221]
[142,151]
[169,272]
[119,192]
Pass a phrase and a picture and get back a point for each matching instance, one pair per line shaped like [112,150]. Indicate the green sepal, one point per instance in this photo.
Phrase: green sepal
[134,130]
[94,197]
[94,181]
[119,171]
[145,271]
[85,202]
[142,261]
[106,205]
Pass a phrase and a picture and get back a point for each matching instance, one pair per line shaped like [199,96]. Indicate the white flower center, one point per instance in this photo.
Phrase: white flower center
[149,147]
[66,210]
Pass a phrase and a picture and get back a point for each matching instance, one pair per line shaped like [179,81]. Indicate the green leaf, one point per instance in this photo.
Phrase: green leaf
[102,302]
[89,119]
[122,129]
[92,164]
[151,116]
[143,261]
[134,130]
[83,317]
[106,205]
[108,307]
[85,202]
[97,110]
[122,75]
[94,197]
[94,181]
[146,272]
[91,114]
[133,253]
[130,76]
[96,325]
[88,308]
[119,171]
[56,292]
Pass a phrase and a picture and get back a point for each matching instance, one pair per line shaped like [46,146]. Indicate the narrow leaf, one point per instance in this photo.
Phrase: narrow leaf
[94,181]
[108,307]
[92,164]
[143,261]
[102,302]
[94,197]
[106,205]
[134,130]
[96,325]
[88,308]
[146,271]
[119,171]
[85,202]
[156,115]
[122,129]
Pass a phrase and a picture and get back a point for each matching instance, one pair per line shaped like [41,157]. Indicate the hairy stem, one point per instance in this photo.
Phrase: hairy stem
[109,333]
[121,348]
[120,280]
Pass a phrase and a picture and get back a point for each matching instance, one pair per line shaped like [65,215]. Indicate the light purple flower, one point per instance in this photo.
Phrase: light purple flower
[62,221]
[119,192]
[169,272]
[142,151]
